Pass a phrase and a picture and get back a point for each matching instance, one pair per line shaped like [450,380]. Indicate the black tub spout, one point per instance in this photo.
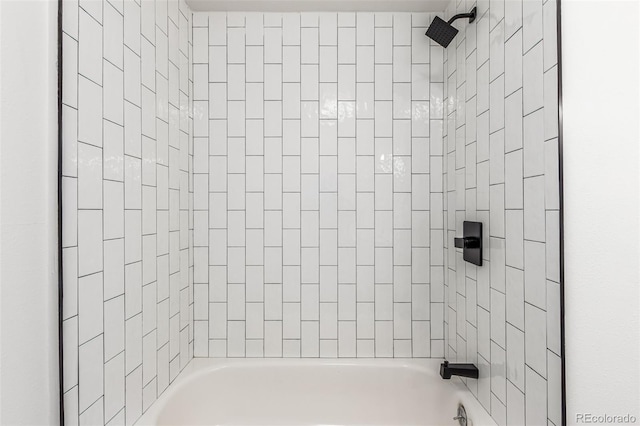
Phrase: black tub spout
[463,370]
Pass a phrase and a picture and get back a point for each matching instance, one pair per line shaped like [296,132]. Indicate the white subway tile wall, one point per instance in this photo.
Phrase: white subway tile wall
[273,185]
[127,203]
[318,222]
[501,140]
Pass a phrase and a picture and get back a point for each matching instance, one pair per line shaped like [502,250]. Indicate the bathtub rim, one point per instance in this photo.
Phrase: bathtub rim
[197,367]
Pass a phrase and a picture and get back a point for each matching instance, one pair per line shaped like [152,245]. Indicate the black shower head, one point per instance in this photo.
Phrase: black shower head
[443,32]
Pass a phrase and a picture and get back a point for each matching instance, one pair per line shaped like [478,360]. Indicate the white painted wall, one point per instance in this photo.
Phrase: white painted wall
[601,113]
[28,211]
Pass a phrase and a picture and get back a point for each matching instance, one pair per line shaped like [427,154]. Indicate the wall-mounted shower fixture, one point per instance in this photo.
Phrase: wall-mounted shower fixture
[443,32]
[471,242]
[463,370]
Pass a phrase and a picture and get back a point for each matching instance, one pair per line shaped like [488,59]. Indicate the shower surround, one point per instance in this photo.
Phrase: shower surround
[502,169]
[290,184]
[318,197]
[126,161]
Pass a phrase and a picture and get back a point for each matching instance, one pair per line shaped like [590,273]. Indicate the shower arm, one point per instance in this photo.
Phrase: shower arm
[471,15]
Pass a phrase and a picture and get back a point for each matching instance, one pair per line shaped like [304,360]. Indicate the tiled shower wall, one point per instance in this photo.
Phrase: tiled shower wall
[127,205]
[318,195]
[315,186]
[501,139]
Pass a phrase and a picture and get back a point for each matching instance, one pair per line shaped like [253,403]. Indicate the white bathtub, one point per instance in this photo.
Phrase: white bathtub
[313,392]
